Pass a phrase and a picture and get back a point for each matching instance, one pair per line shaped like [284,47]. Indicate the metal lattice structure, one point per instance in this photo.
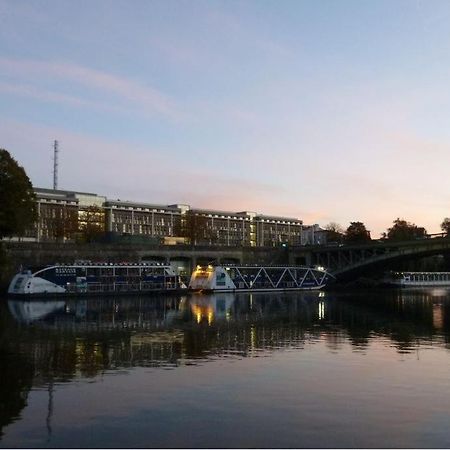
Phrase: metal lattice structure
[277,277]
[55,165]
[347,259]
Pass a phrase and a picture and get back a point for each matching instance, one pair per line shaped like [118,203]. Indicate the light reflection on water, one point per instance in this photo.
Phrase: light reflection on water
[311,369]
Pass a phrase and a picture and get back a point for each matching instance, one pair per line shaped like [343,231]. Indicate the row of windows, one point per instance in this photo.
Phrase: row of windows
[43,202]
[161,222]
[228,230]
[119,214]
[125,209]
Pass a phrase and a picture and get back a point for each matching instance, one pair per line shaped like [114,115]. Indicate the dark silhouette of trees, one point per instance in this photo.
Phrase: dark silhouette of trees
[445,226]
[335,232]
[404,231]
[91,223]
[64,225]
[357,233]
[17,199]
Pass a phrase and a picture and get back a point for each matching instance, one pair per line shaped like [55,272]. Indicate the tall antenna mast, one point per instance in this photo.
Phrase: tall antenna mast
[55,165]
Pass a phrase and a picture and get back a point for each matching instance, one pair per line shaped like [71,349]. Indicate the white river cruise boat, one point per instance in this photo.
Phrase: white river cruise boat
[95,278]
[418,279]
[257,278]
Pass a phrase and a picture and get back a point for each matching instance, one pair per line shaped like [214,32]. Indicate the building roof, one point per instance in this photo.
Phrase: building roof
[130,204]
[60,192]
[277,218]
[216,212]
[179,208]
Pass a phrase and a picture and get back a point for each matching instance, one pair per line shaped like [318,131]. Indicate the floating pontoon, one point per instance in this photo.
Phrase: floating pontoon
[257,278]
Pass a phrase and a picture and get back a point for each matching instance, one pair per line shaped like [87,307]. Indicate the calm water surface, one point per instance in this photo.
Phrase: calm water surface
[367,369]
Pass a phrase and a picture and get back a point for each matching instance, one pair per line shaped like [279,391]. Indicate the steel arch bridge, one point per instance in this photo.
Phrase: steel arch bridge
[345,261]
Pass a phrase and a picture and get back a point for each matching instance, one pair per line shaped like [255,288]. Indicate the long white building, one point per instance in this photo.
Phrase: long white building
[68,215]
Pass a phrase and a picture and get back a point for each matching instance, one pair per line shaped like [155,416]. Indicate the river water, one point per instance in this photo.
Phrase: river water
[320,369]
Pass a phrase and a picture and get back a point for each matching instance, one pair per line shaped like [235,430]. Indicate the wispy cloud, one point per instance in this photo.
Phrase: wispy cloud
[138,95]
[142,171]
[25,90]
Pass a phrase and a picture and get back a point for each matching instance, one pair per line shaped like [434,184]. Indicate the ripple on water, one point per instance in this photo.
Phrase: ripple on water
[356,370]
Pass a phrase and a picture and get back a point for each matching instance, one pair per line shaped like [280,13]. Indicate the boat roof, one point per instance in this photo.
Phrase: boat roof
[35,269]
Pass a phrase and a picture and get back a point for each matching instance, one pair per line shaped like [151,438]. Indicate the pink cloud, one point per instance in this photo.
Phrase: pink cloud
[133,172]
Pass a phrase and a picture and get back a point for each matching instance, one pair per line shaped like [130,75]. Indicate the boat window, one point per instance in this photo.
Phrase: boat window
[18,283]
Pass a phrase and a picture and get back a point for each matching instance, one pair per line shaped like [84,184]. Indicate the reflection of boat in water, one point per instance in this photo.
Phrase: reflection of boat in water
[94,313]
[31,311]
[257,278]
[212,308]
[418,279]
[100,278]
[158,313]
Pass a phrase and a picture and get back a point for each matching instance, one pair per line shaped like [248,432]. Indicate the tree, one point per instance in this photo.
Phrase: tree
[357,233]
[18,210]
[65,223]
[91,222]
[404,231]
[335,233]
[193,227]
[445,226]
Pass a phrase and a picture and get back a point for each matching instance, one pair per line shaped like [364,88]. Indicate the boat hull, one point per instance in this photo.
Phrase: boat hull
[257,279]
[94,280]
[208,291]
[41,296]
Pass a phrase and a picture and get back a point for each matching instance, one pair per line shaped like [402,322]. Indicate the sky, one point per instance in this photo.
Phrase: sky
[323,110]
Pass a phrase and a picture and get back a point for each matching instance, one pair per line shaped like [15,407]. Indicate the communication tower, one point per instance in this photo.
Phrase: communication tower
[55,165]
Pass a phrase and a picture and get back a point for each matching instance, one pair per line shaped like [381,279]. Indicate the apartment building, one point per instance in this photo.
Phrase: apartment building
[227,228]
[131,218]
[63,215]
[273,231]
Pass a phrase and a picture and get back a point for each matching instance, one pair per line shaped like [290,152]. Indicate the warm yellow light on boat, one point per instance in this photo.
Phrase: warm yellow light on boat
[321,310]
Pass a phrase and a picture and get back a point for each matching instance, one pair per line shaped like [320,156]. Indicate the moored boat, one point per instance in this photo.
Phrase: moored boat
[95,278]
[418,279]
[257,278]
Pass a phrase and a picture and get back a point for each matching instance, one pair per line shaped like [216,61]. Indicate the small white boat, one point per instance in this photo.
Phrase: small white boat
[95,278]
[418,279]
[257,278]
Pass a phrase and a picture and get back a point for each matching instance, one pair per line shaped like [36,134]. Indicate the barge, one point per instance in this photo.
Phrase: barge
[418,279]
[95,278]
[233,278]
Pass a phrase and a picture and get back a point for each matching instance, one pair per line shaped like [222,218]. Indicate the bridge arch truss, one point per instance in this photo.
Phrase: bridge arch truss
[342,261]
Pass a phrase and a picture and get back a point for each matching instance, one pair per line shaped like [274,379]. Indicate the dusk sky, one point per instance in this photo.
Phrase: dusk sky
[321,110]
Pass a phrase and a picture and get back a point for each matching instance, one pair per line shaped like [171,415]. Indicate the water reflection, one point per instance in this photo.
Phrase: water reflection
[46,342]
[87,336]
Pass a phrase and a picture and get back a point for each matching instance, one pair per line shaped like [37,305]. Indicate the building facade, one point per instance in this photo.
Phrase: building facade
[63,214]
[226,228]
[130,218]
[314,235]
[274,231]
[69,215]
